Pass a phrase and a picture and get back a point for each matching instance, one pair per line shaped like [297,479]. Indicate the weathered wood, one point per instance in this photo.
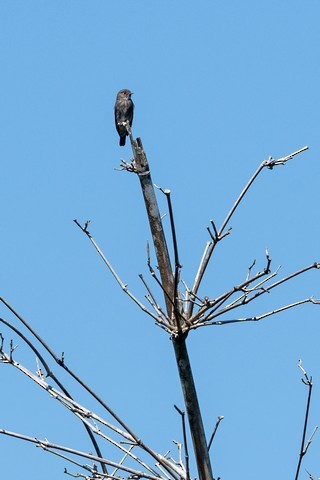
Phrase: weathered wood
[141,167]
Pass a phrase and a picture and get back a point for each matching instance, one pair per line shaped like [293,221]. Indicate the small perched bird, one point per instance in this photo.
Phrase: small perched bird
[123,112]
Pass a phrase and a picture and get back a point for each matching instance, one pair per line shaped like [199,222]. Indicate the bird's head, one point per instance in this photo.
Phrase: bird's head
[125,94]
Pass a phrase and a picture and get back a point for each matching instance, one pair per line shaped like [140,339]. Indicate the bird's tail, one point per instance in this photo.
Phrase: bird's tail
[122,141]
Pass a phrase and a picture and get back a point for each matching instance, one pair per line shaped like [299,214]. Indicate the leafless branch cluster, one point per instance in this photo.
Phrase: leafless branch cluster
[183,310]
[131,449]
[208,310]
[190,311]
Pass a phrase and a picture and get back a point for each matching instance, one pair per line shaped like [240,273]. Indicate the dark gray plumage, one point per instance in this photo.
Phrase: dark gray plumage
[123,112]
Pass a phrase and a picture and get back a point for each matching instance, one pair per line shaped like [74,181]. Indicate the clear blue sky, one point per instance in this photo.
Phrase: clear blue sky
[218,87]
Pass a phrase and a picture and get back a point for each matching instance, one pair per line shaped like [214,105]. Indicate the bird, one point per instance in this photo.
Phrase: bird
[123,112]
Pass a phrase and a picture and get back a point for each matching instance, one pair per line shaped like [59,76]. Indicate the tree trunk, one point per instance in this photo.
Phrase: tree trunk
[179,341]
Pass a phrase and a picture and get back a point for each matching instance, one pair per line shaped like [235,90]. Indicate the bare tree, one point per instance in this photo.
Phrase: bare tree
[179,310]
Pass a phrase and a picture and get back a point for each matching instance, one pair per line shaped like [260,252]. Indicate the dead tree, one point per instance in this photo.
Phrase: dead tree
[181,310]
[180,317]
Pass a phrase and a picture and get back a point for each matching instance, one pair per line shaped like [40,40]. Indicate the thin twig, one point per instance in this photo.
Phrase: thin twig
[249,270]
[304,447]
[257,287]
[162,317]
[219,301]
[177,264]
[255,318]
[71,460]
[311,477]
[270,163]
[262,292]
[122,460]
[190,296]
[186,452]
[221,417]
[123,286]
[179,448]
[49,445]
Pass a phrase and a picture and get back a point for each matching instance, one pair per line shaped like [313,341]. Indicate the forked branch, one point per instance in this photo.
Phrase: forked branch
[48,446]
[159,318]
[127,433]
[305,445]
[251,289]
[221,417]
[219,234]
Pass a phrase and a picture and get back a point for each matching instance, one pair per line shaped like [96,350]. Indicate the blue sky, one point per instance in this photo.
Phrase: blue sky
[218,87]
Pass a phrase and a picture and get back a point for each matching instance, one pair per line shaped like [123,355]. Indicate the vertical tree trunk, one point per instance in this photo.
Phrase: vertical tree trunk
[158,237]
[179,341]
[193,409]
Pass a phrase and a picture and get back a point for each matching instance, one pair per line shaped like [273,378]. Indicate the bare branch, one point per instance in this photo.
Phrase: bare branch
[129,167]
[247,299]
[310,439]
[123,286]
[50,374]
[249,270]
[221,417]
[62,364]
[92,470]
[257,287]
[159,282]
[216,237]
[83,414]
[315,302]
[270,163]
[179,448]
[191,297]
[295,274]
[304,446]
[257,317]
[66,400]
[202,267]
[122,460]
[311,477]
[46,445]
[186,453]
[162,319]
[215,304]
[177,264]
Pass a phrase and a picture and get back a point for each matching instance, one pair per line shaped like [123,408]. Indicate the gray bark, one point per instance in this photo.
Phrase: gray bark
[179,340]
